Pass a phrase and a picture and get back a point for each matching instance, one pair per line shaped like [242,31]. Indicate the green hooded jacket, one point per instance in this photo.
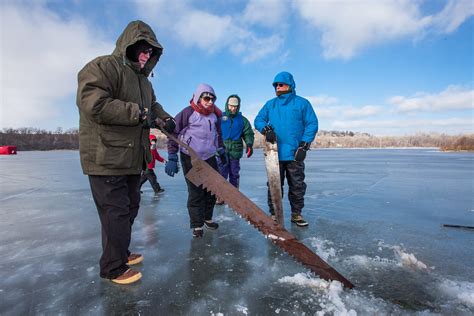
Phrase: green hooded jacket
[111,90]
[235,128]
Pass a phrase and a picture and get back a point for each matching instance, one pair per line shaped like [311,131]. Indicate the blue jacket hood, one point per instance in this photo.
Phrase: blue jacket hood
[285,77]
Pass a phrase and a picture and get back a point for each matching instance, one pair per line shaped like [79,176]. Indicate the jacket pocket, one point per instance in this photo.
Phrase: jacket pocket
[114,152]
[237,150]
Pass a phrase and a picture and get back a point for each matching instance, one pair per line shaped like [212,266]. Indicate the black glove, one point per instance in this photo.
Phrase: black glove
[249,151]
[170,125]
[143,114]
[269,133]
[223,157]
[300,153]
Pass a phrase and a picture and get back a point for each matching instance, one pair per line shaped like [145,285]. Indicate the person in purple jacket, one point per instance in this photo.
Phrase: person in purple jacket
[198,125]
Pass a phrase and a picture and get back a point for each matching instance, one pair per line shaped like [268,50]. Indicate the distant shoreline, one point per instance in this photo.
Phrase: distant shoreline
[28,139]
[374,148]
[313,149]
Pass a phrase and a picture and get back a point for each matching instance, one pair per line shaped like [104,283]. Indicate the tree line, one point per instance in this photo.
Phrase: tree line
[28,138]
[40,139]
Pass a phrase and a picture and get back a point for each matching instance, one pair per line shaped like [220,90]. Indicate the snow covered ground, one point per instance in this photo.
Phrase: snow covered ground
[375,215]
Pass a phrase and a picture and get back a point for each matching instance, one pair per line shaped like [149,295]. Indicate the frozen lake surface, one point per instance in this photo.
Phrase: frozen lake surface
[375,215]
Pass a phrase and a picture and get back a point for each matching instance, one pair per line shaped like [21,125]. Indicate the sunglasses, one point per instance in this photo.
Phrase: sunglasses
[148,51]
[280,85]
[208,99]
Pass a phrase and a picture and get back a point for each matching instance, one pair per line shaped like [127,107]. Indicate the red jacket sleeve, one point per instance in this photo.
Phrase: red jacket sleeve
[157,156]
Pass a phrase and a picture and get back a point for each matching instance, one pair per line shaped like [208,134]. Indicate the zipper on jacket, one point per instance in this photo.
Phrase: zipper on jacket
[141,93]
[145,164]
[210,125]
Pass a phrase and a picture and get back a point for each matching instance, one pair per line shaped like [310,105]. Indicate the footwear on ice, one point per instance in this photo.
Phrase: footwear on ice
[134,258]
[211,224]
[128,277]
[298,220]
[198,232]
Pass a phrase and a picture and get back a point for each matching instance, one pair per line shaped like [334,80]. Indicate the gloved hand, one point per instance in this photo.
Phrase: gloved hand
[249,151]
[223,156]
[143,114]
[170,124]
[172,167]
[300,153]
[269,133]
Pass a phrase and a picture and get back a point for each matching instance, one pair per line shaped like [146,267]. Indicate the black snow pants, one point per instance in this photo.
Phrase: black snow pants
[294,173]
[117,199]
[150,175]
[200,201]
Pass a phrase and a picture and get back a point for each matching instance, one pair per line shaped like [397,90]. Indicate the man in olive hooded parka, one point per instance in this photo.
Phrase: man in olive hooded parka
[116,102]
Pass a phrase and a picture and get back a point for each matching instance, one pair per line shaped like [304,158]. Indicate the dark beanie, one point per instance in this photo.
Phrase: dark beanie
[134,50]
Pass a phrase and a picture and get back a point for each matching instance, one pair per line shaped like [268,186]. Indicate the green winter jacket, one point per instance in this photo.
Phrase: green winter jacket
[111,89]
[235,128]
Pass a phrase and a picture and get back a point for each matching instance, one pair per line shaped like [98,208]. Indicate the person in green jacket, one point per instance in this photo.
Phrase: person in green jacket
[235,129]
[116,101]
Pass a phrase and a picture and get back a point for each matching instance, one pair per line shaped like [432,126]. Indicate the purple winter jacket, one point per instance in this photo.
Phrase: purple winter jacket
[201,132]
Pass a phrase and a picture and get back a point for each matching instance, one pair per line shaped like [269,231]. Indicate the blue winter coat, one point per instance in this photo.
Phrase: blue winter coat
[291,116]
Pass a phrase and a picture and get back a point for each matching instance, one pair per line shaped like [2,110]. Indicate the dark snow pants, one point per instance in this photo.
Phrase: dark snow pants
[200,201]
[294,173]
[231,171]
[150,175]
[117,199]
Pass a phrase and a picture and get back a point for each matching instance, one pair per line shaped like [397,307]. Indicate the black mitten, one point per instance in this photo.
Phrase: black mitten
[300,153]
[270,135]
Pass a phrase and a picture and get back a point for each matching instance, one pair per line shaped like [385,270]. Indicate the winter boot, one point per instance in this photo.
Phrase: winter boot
[198,232]
[298,220]
[211,224]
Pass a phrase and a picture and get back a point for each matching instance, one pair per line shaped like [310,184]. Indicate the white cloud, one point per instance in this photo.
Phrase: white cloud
[347,27]
[323,105]
[327,106]
[40,57]
[403,126]
[265,12]
[322,100]
[365,111]
[257,48]
[453,15]
[327,112]
[452,98]
[348,111]
[210,32]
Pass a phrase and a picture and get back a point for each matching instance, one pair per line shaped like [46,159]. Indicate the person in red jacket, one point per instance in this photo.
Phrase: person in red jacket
[149,174]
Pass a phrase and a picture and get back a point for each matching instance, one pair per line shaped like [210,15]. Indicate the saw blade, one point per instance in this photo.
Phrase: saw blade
[272,166]
[203,174]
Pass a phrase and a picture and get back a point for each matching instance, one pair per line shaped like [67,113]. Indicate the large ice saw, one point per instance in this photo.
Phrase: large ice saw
[272,166]
[203,174]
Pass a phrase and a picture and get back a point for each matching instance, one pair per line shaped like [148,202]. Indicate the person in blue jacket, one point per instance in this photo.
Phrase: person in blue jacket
[236,129]
[289,120]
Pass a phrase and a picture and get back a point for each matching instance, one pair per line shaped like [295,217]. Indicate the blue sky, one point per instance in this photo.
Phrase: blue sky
[384,67]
